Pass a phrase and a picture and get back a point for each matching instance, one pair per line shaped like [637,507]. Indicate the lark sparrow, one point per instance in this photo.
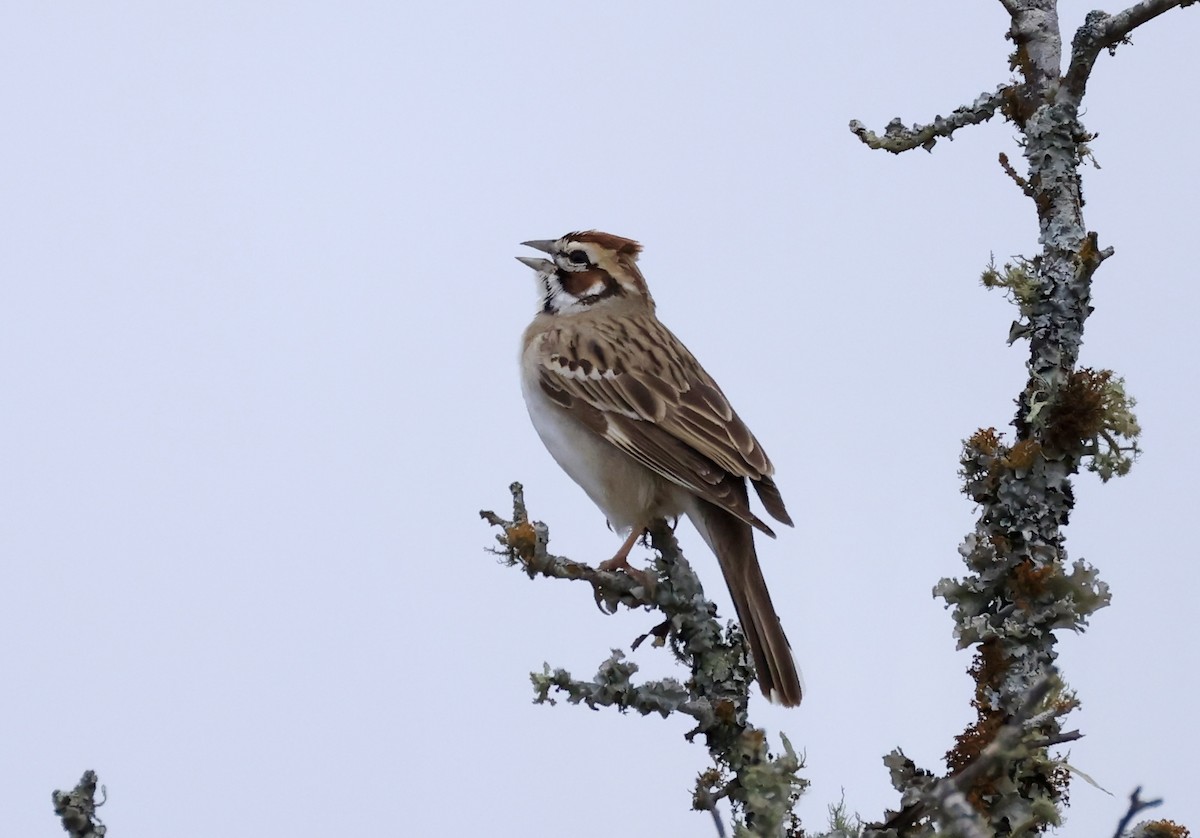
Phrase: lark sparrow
[634,419]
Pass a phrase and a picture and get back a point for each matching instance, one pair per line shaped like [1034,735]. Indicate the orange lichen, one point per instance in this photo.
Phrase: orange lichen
[1022,455]
[987,670]
[985,441]
[521,539]
[1029,580]
[1089,251]
[705,783]
[1165,829]
[754,739]
[725,711]
[1077,415]
[990,665]
[971,742]
[1014,107]
[1052,778]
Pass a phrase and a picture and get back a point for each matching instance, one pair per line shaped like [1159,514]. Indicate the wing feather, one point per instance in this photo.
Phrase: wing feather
[634,383]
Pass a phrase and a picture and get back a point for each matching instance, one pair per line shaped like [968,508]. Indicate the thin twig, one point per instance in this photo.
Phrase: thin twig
[524,542]
[706,800]
[1057,739]
[1136,805]
[1021,182]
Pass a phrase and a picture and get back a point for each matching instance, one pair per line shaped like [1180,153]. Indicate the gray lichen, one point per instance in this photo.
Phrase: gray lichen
[762,786]
[1020,586]
[897,137]
[77,808]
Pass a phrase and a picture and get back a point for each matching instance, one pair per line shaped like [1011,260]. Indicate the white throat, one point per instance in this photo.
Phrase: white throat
[557,300]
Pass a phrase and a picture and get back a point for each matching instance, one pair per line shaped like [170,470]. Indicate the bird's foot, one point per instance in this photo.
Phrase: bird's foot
[620,561]
[645,578]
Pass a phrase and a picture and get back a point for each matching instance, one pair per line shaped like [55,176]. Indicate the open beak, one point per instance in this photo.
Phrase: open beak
[539,265]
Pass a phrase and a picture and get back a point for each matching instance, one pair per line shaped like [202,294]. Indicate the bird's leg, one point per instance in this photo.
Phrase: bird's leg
[620,561]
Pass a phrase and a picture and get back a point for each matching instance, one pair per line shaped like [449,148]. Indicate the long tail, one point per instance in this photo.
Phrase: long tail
[732,540]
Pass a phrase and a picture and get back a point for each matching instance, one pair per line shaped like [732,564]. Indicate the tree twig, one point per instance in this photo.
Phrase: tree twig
[1136,806]
[706,800]
[1021,183]
[897,138]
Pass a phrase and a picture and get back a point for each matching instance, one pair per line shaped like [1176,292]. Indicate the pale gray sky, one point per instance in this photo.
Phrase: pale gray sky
[259,376]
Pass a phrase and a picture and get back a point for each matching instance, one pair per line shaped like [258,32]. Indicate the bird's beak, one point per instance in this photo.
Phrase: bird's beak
[539,265]
[545,245]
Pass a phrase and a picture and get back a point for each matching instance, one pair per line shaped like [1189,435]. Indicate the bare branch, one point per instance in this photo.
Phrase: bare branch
[1104,31]
[897,138]
[1136,806]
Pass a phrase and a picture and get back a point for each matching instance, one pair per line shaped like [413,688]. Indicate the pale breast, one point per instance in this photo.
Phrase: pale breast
[628,493]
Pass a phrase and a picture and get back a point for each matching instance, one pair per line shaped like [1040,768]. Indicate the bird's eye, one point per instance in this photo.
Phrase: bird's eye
[578,257]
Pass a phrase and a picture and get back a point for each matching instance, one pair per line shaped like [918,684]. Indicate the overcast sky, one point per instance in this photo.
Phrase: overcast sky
[258,365]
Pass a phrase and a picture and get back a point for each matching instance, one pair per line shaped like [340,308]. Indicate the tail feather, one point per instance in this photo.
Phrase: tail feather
[732,540]
[768,493]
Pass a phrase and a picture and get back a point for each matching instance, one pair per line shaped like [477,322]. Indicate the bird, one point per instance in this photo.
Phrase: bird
[632,417]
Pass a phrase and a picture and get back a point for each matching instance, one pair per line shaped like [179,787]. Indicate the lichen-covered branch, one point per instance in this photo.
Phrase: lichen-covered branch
[953,802]
[761,786]
[77,808]
[1021,588]
[897,137]
[1102,31]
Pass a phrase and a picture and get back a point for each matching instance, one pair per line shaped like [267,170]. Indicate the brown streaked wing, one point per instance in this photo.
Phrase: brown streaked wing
[646,442]
[680,463]
[662,409]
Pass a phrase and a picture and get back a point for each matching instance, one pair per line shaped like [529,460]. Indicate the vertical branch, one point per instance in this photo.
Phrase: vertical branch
[1020,587]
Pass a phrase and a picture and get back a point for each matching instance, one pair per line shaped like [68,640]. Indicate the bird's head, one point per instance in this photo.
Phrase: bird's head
[587,269]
